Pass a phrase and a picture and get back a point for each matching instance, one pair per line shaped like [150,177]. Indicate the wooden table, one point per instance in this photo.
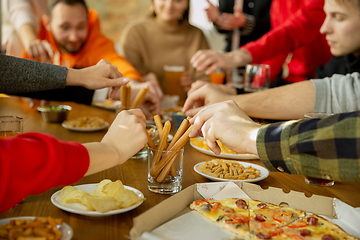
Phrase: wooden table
[132,173]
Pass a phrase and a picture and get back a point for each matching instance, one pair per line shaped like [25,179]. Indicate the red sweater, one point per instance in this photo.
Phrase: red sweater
[32,163]
[295,29]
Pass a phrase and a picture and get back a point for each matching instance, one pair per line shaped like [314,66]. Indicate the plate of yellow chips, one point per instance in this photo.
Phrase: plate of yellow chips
[98,200]
[199,144]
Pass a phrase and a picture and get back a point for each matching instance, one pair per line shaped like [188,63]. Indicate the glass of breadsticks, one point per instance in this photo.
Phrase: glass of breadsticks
[165,161]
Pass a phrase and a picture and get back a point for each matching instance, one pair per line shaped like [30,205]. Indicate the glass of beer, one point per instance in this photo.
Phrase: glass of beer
[312,180]
[10,126]
[172,80]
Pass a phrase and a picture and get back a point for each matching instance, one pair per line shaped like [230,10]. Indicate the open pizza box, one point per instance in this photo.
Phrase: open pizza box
[173,219]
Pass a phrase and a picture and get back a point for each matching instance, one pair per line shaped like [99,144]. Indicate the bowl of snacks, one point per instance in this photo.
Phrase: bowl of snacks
[54,113]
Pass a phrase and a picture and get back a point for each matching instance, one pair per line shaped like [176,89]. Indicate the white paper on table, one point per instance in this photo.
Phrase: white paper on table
[193,225]
[348,217]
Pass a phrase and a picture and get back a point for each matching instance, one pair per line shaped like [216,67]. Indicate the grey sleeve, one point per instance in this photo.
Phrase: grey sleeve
[19,75]
[337,94]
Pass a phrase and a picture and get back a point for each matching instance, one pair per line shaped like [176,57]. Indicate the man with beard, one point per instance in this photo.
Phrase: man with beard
[73,31]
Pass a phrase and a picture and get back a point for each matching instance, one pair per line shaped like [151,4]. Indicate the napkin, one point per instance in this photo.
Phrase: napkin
[348,217]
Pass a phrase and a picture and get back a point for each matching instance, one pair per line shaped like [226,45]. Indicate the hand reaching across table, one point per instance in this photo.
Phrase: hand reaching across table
[226,122]
[204,95]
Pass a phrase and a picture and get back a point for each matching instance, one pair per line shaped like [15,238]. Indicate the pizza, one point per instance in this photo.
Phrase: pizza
[230,213]
[252,219]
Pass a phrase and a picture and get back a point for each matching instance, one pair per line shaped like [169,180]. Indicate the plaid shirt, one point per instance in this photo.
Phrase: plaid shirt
[327,148]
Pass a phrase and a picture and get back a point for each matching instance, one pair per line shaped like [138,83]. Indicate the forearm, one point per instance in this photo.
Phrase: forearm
[27,34]
[238,58]
[321,148]
[22,75]
[281,103]
[102,156]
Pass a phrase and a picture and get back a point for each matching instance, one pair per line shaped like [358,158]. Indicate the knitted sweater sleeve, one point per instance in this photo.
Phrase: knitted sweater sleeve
[22,75]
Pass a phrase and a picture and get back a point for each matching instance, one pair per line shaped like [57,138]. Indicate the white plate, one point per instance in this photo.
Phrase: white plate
[82,210]
[78,129]
[112,106]
[264,173]
[65,229]
[225,155]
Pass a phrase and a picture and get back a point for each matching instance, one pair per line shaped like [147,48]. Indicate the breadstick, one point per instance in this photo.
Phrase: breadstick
[167,158]
[128,95]
[179,144]
[140,97]
[158,123]
[162,142]
[165,171]
[123,92]
[159,126]
[184,125]
[150,141]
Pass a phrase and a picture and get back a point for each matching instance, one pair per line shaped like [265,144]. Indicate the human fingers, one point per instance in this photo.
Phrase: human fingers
[208,133]
[155,88]
[139,114]
[203,59]
[154,101]
[46,51]
[196,85]
[196,97]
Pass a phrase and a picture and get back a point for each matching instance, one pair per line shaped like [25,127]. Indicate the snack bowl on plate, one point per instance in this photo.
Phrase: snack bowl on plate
[54,113]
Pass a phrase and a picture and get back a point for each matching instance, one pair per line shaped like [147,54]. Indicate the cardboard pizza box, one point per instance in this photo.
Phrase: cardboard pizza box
[177,215]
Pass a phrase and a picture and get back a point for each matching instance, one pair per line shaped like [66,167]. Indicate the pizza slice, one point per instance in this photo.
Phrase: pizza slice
[267,219]
[230,213]
[312,227]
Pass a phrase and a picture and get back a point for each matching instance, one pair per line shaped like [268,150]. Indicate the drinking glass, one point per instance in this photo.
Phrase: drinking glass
[172,80]
[312,180]
[172,182]
[217,77]
[257,77]
[10,126]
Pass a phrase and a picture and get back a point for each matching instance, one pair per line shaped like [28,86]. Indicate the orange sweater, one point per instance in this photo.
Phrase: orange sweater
[96,47]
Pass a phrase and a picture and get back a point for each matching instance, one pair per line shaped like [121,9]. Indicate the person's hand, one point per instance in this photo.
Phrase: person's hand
[228,21]
[120,136]
[102,75]
[155,88]
[228,123]
[152,101]
[205,95]
[212,60]
[40,50]
[186,81]
[199,83]
[212,12]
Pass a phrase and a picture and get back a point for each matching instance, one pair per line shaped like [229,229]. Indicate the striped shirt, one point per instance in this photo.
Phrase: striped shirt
[327,148]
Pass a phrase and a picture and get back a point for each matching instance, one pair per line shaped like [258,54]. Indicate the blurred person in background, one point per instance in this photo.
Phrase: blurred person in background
[20,26]
[253,21]
[164,37]
[293,47]
[338,92]
[73,32]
